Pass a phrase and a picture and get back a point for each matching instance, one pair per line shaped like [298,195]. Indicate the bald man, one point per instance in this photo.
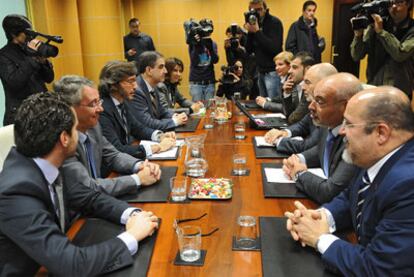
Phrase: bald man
[379,205]
[327,107]
[305,127]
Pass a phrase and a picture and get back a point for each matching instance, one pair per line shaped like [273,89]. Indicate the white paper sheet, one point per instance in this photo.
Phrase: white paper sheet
[260,141]
[263,115]
[276,175]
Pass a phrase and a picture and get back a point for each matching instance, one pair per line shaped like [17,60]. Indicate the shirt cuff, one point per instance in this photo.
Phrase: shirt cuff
[136,179]
[325,241]
[156,135]
[331,220]
[302,158]
[148,149]
[289,133]
[130,242]
[136,166]
[175,121]
[127,213]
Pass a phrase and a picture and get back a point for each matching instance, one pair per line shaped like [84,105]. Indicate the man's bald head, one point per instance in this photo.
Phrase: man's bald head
[314,74]
[343,85]
[322,70]
[385,104]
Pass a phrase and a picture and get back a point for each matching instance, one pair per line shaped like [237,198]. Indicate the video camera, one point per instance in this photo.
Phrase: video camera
[204,28]
[251,17]
[227,78]
[365,9]
[45,49]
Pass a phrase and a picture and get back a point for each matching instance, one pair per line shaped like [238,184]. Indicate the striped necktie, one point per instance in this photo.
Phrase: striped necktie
[362,194]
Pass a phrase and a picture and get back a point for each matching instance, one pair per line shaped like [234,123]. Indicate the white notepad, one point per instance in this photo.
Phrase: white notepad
[166,154]
[276,175]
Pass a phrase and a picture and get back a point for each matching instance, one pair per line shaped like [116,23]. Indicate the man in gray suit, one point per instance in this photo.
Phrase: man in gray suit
[93,151]
[327,107]
[305,127]
[34,203]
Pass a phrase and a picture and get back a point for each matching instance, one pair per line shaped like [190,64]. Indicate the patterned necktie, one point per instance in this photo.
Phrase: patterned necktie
[154,103]
[122,112]
[58,201]
[362,194]
[89,156]
[327,152]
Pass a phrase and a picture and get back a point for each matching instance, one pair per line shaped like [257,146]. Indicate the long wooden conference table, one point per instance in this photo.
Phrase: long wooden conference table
[247,199]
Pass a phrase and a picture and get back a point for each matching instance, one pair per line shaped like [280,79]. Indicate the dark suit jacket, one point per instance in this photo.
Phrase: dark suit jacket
[76,169]
[114,131]
[387,222]
[340,173]
[30,235]
[305,129]
[141,109]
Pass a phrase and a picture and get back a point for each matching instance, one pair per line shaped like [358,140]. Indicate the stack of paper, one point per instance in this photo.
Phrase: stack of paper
[260,142]
[172,153]
[277,175]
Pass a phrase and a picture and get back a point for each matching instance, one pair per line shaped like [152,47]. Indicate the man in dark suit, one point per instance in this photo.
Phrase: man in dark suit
[94,154]
[305,127]
[145,105]
[34,204]
[328,104]
[292,102]
[379,126]
[117,85]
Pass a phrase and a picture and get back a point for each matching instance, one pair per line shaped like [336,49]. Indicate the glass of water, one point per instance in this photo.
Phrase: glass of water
[189,242]
[239,164]
[178,188]
[239,130]
[246,234]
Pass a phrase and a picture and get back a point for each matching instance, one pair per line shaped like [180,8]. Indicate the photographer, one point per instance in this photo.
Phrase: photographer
[234,44]
[264,38]
[233,80]
[22,71]
[389,44]
[203,56]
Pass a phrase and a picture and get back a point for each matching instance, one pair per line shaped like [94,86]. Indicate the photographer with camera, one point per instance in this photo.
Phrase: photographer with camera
[203,56]
[388,41]
[234,44]
[264,39]
[24,67]
[233,80]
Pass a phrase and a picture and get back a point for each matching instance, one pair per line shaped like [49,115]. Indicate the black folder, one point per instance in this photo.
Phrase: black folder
[158,192]
[190,126]
[267,152]
[278,190]
[97,230]
[282,256]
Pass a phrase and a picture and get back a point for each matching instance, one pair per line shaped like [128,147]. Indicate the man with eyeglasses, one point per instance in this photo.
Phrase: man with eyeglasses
[117,85]
[264,39]
[389,45]
[327,107]
[284,139]
[94,154]
[379,203]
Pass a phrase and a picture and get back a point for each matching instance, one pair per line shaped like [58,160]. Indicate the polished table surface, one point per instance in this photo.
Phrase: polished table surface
[248,199]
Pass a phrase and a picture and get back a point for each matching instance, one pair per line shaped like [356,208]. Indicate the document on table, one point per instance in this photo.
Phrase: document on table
[263,115]
[166,154]
[276,175]
[260,142]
